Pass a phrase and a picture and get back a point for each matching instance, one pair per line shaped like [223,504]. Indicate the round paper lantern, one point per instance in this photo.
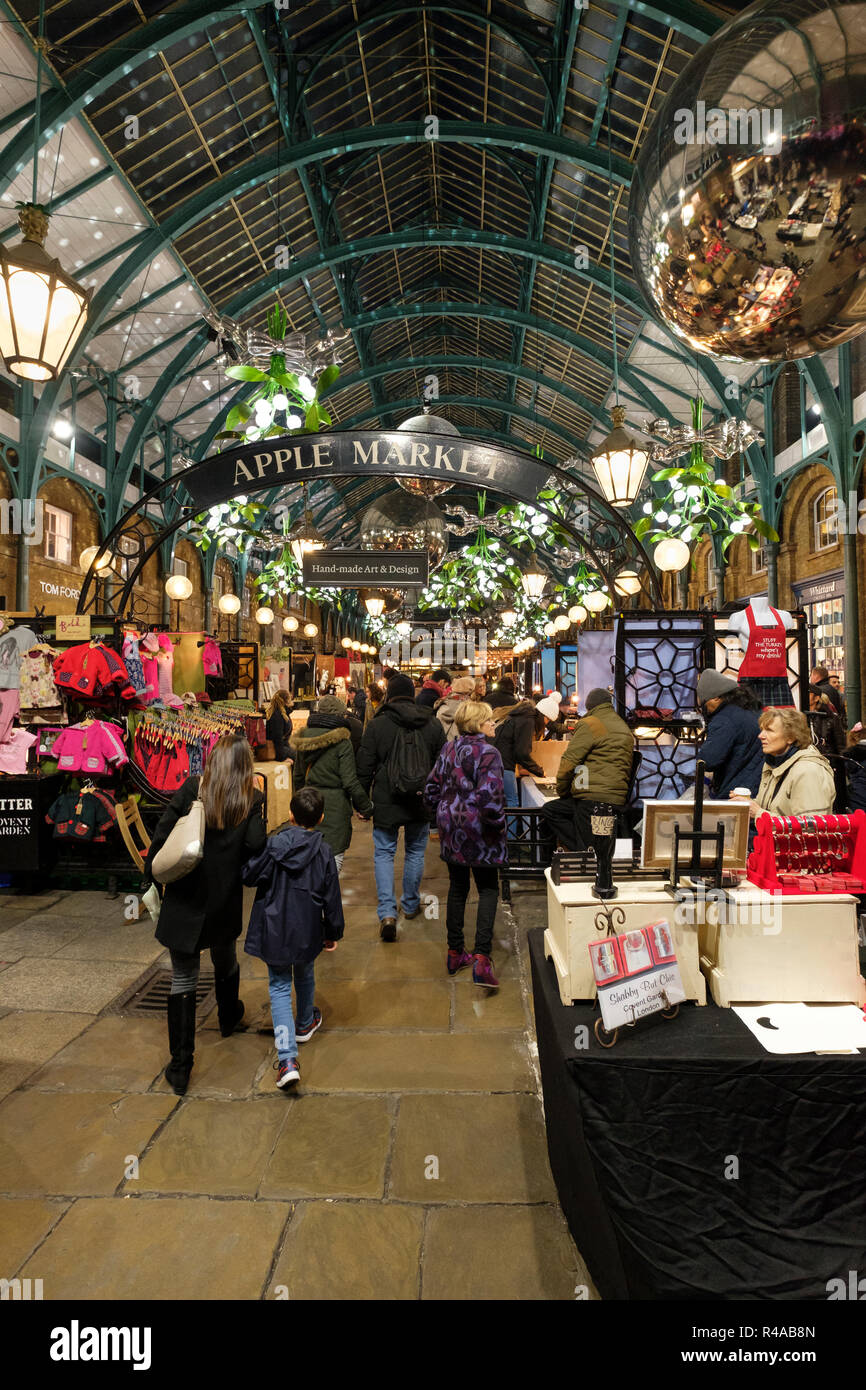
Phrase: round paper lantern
[290,624]
[178,587]
[627,582]
[596,600]
[671,554]
[310,630]
[549,629]
[561,622]
[264,616]
[760,136]
[229,603]
[346,643]
[577,614]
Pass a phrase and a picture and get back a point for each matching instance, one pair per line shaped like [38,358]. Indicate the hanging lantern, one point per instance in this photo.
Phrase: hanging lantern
[264,616]
[310,630]
[619,464]
[229,603]
[671,555]
[533,582]
[404,628]
[104,561]
[290,624]
[41,307]
[627,583]
[178,587]
[508,618]
[304,537]
[374,603]
[596,600]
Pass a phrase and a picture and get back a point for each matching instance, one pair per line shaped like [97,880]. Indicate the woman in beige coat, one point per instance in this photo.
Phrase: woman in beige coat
[797,779]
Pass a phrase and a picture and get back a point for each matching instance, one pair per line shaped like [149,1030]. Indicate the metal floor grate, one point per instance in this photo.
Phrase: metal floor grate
[149,995]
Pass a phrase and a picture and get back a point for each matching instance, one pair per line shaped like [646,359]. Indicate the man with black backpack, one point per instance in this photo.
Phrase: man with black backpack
[399,748]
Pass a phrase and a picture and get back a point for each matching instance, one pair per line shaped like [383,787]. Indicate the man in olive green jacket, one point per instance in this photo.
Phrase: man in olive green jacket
[596,766]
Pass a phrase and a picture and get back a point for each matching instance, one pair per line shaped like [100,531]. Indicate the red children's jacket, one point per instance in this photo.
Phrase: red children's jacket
[92,670]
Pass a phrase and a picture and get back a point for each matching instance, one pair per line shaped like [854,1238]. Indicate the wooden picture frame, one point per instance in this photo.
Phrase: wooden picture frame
[657,842]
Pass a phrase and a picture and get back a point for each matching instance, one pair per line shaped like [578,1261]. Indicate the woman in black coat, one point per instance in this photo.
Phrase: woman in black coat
[278,728]
[204,909]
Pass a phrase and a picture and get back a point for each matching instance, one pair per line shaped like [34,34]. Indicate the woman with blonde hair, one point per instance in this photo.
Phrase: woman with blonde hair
[465,790]
[797,779]
[204,909]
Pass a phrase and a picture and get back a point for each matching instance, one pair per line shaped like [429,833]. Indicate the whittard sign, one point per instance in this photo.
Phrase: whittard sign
[355,569]
[270,462]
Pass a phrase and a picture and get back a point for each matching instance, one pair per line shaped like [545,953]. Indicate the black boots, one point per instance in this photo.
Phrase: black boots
[230,1009]
[181,1040]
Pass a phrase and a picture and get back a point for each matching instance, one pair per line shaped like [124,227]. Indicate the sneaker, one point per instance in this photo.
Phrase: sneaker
[304,1034]
[482,972]
[388,929]
[457,960]
[287,1072]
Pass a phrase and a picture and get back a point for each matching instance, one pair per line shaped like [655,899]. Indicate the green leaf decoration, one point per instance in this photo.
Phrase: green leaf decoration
[238,415]
[242,373]
[327,379]
[311,421]
[665,473]
[764,529]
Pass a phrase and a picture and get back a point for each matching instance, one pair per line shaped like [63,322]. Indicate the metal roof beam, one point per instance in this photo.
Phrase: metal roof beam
[694,20]
[67,196]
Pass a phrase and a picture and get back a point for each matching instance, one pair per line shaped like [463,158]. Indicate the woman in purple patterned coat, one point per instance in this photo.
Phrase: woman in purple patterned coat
[466,792]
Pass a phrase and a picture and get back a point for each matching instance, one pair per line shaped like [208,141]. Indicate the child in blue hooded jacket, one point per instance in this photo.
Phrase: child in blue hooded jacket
[298,912]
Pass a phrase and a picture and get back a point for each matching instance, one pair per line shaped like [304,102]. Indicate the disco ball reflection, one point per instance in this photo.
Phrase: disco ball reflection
[747,218]
[400,521]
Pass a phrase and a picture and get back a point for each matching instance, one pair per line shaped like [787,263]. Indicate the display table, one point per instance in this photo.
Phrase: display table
[278,777]
[534,793]
[644,1141]
[762,947]
[575,918]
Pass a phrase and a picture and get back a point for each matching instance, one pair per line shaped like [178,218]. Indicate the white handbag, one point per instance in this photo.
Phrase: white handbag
[184,847]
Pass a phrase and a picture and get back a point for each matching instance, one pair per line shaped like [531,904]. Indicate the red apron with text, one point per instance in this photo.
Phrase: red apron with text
[766,654]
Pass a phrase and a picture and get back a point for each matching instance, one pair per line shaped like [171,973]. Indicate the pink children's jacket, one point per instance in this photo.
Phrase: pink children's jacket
[93,749]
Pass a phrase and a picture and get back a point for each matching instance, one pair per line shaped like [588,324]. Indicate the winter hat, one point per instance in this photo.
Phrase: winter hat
[401,688]
[598,697]
[329,704]
[711,685]
[463,685]
[549,706]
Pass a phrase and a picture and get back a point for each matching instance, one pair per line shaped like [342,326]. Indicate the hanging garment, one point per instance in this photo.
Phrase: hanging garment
[13,644]
[94,748]
[14,752]
[36,679]
[165,660]
[766,653]
[211,657]
[132,662]
[9,707]
[92,669]
[86,816]
[148,647]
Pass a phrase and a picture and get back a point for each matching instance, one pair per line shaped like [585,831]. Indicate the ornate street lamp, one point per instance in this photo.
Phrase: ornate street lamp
[304,537]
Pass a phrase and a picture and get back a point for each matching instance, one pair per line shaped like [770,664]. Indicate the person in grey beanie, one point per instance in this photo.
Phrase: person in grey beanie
[730,751]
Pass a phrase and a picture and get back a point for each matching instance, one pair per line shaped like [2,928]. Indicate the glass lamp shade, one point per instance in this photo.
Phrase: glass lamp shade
[41,307]
[290,624]
[365,647]
[310,630]
[533,582]
[356,646]
[178,587]
[230,603]
[561,622]
[671,554]
[577,614]
[508,618]
[105,561]
[619,464]
[404,628]
[549,629]
[627,582]
[346,643]
[264,615]
[375,605]
[596,601]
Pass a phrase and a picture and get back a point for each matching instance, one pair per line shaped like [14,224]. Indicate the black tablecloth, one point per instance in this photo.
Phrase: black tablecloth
[645,1140]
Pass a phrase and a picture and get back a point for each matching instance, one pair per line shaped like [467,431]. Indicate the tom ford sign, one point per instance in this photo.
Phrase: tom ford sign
[356,569]
[272,462]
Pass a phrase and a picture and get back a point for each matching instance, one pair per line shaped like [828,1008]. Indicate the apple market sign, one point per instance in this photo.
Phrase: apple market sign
[268,463]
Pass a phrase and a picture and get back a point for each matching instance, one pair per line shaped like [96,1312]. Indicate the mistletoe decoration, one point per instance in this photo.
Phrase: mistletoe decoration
[698,502]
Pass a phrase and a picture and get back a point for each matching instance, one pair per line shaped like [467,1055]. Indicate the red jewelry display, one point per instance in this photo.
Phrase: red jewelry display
[809,854]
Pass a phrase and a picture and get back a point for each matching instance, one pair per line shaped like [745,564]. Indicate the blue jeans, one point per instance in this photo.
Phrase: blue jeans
[280,986]
[385,847]
[509,780]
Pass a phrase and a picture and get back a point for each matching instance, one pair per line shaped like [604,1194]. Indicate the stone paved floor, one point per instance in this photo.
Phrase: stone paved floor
[410,1163]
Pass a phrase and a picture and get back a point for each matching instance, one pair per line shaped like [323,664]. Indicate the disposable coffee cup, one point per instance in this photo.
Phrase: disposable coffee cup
[741,794]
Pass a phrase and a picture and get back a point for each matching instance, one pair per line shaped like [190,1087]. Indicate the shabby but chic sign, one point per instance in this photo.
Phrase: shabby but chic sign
[290,458]
[359,569]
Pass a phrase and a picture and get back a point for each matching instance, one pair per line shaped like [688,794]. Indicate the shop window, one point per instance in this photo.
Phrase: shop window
[180,567]
[218,589]
[825,520]
[127,559]
[711,570]
[826,625]
[246,607]
[58,535]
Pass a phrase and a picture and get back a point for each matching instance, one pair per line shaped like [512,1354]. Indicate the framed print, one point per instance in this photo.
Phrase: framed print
[660,817]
